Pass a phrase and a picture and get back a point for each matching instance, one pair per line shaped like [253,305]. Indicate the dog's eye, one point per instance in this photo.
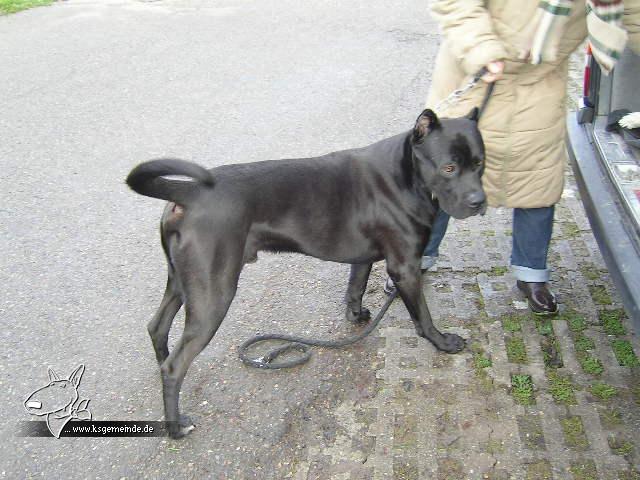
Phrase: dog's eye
[449,169]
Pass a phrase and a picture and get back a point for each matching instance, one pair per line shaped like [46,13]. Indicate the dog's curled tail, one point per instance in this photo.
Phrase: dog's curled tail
[147,179]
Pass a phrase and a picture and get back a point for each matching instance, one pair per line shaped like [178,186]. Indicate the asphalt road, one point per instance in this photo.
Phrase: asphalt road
[88,90]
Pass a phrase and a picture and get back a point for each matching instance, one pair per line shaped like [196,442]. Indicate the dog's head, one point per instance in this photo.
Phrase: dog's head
[449,154]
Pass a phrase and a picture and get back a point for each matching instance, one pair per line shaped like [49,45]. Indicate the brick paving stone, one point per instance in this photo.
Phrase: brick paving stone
[539,470]
[531,433]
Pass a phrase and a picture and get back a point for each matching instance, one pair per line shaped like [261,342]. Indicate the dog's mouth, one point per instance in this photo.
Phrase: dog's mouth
[475,210]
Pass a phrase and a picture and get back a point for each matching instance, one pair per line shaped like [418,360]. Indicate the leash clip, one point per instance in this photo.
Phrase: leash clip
[455,96]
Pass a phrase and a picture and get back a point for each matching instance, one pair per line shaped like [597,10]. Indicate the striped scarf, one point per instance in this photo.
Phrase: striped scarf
[604,24]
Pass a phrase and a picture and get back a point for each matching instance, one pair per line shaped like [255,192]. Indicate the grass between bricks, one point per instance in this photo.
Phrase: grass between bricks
[512,323]
[610,418]
[551,354]
[522,389]
[480,363]
[578,324]
[590,364]
[549,344]
[583,343]
[590,272]
[514,344]
[539,470]
[13,6]
[516,351]
[603,391]
[544,326]
[584,470]
[561,388]
[620,446]
[497,271]
[600,295]
[570,229]
[612,322]
[574,435]
[629,475]
[624,353]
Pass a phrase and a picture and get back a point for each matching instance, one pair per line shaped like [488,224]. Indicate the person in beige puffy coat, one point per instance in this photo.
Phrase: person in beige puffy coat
[523,126]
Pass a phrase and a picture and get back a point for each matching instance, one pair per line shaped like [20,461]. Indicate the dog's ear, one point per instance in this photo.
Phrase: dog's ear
[76,376]
[53,376]
[474,114]
[426,122]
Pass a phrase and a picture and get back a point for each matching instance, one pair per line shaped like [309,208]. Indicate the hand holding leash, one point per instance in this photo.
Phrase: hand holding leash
[492,72]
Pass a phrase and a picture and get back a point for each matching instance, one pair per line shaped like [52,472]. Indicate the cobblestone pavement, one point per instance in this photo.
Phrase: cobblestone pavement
[531,398]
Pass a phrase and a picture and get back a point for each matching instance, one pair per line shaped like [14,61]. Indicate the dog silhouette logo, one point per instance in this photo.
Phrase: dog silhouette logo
[59,401]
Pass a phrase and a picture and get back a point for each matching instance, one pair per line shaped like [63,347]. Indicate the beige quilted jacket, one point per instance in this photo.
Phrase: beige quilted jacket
[524,124]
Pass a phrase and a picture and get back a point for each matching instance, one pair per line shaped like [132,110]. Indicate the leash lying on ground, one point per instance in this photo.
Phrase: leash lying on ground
[302,344]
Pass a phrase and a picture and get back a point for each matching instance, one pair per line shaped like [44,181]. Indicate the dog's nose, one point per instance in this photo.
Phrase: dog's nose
[475,199]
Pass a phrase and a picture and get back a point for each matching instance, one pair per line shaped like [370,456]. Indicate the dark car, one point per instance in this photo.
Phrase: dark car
[606,162]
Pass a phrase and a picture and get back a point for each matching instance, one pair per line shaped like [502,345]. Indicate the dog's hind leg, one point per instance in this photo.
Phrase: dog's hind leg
[160,325]
[209,288]
[357,286]
[408,281]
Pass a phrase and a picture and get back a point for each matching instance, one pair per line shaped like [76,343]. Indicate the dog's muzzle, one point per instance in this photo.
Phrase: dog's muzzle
[476,201]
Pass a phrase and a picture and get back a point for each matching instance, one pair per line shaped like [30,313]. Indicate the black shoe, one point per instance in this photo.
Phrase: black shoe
[541,300]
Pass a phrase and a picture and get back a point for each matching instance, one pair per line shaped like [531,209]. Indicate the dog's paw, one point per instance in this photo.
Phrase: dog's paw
[180,428]
[363,316]
[451,343]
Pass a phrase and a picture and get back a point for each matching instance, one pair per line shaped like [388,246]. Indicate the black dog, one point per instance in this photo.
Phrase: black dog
[355,206]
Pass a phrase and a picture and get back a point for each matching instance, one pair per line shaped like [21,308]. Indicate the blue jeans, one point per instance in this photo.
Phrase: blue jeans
[438,229]
[532,228]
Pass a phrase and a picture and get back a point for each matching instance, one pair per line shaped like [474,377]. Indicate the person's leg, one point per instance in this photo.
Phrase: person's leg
[532,228]
[438,230]
[430,254]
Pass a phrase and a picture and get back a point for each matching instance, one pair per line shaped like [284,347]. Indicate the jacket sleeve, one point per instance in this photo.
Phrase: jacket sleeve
[631,20]
[468,29]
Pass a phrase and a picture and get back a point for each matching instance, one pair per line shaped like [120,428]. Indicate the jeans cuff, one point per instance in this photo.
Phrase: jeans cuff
[430,252]
[428,261]
[526,274]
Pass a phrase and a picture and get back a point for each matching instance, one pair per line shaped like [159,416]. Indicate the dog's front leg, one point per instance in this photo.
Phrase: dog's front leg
[408,281]
[357,285]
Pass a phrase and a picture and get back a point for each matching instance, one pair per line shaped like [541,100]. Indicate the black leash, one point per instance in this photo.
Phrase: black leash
[302,344]
[486,98]
[487,94]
